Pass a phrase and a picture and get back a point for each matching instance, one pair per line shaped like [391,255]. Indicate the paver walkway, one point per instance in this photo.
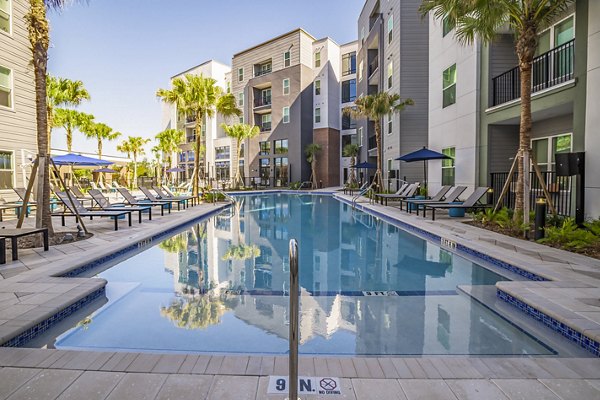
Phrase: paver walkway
[27,292]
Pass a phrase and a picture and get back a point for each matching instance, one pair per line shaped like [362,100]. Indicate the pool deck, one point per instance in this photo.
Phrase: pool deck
[30,292]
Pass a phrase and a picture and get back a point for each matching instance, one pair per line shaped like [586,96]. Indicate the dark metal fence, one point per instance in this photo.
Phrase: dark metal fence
[549,69]
[559,187]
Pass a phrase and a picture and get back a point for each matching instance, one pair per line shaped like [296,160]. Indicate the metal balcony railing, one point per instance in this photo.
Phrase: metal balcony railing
[549,69]
[262,101]
[263,71]
[266,126]
[373,66]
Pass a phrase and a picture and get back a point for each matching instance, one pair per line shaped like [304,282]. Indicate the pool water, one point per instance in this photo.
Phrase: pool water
[220,286]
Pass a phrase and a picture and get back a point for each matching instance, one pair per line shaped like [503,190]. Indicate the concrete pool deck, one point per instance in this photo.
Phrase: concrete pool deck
[29,294]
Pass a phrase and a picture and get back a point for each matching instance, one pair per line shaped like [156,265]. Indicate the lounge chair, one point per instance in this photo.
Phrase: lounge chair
[399,192]
[80,196]
[469,204]
[131,200]
[107,206]
[408,192]
[441,196]
[155,199]
[168,195]
[76,205]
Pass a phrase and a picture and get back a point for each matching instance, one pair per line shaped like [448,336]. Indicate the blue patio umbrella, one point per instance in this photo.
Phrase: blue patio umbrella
[364,165]
[105,170]
[176,169]
[77,159]
[424,155]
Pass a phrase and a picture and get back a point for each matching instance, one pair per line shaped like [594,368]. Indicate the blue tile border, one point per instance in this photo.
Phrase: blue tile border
[349,293]
[437,239]
[574,336]
[43,326]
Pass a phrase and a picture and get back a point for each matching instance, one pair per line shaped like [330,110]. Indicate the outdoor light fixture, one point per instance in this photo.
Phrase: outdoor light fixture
[540,218]
[80,232]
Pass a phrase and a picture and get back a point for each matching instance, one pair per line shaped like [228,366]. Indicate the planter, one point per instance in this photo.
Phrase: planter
[413,207]
[456,212]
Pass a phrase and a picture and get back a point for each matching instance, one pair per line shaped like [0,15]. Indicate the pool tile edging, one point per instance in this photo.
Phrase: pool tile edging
[569,332]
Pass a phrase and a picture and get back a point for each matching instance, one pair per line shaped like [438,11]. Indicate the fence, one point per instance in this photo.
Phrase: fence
[559,187]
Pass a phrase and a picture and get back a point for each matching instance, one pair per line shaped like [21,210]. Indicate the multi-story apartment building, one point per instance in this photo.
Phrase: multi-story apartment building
[393,56]
[474,105]
[348,95]
[18,144]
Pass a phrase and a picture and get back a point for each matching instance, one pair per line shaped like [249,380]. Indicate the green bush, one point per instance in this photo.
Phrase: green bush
[210,197]
[569,236]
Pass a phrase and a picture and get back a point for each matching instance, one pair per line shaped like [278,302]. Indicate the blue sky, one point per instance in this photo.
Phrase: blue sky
[124,50]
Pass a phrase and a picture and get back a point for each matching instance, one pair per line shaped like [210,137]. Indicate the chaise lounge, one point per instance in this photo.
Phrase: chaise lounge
[105,205]
[471,203]
[75,207]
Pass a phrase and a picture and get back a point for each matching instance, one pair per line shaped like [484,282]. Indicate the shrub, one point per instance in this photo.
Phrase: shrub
[569,236]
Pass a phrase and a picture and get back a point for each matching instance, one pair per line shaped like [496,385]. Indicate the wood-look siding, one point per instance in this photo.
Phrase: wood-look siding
[18,125]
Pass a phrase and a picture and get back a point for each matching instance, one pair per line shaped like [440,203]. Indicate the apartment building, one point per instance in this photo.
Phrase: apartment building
[393,56]
[348,95]
[18,143]
[474,106]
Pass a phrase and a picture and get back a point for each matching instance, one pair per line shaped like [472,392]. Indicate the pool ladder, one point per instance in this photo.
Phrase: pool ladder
[294,310]
[361,193]
[216,191]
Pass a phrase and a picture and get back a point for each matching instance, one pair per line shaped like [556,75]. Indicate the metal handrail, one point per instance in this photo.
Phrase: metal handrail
[219,191]
[294,310]
[361,193]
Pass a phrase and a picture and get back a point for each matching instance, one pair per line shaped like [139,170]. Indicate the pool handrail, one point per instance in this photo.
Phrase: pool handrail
[362,192]
[294,311]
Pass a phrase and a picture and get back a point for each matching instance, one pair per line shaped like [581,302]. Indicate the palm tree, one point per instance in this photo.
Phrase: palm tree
[134,145]
[311,151]
[70,120]
[351,150]
[168,143]
[240,132]
[62,92]
[100,132]
[157,152]
[201,98]
[39,38]
[482,19]
[374,107]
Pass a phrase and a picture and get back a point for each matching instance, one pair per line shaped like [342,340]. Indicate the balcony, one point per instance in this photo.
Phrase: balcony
[265,127]
[549,69]
[190,119]
[263,70]
[374,71]
[262,102]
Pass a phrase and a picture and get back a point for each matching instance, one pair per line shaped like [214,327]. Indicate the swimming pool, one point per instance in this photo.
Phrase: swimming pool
[367,288]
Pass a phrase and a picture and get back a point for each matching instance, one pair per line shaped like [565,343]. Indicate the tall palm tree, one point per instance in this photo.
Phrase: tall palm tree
[374,107]
[311,151]
[201,98]
[240,132]
[100,132]
[169,141]
[70,120]
[39,38]
[482,19]
[62,92]
[351,150]
[133,145]
[157,152]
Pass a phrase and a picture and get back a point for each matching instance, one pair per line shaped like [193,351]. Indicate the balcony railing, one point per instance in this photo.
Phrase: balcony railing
[549,69]
[373,66]
[266,126]
[262,101]
[263,71]
[372,143]
[190,119]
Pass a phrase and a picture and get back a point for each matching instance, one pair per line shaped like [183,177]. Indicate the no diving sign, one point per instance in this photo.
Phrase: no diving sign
[322,385]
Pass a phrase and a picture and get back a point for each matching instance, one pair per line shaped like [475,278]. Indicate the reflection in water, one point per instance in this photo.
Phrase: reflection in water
[230,277]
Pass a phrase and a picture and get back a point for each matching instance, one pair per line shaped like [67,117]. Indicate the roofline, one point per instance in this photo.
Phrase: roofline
[274,39]
[326,38]
[350,43]
[198,66]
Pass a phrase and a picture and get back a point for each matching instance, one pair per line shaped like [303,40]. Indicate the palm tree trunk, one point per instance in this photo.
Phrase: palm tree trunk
[135,167]
[525,47]
[196,173]
[313,167]
[238,175]
[49,125]
[378,179]
[39,38]
[101,174]
[352,164]
[69,139]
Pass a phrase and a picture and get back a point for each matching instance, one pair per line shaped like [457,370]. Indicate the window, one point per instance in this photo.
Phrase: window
[222,153]
[286,86]
[241,120]
[242,150]
[266,122]
[281,171]
[281,146]
[348,90]
[5,15]
[390,72]
[240,99]
[6,170]
[240,74]
[449,86]
[286,115]
[448,177]
[287,59]
[390,123]
[317,115]
[446,26]
[222,170]
[349,63]
[360,70]
[265,174]
[191,156]
[317,87]
[317,59]
[360,136]
[348,122]
[265,96]
[5,87]
[265,148]
[544,149]
[390,28]
[556,35]
[182,157]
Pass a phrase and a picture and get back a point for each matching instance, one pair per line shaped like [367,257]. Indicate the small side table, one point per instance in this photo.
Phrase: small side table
[14,235]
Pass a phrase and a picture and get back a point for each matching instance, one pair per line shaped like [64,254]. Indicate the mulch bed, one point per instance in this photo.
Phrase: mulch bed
[33,241]
[592,251]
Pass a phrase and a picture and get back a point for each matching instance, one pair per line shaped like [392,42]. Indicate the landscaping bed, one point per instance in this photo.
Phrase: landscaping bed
[32,241]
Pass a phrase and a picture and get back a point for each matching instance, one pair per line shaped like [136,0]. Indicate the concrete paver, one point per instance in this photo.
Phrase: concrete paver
[234,388]
[136,386]
[475,389]
[46,385]
[568,389]
[92,385]
[427,389]
[378,389]
[13,378]
[185,387]
[524,389]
